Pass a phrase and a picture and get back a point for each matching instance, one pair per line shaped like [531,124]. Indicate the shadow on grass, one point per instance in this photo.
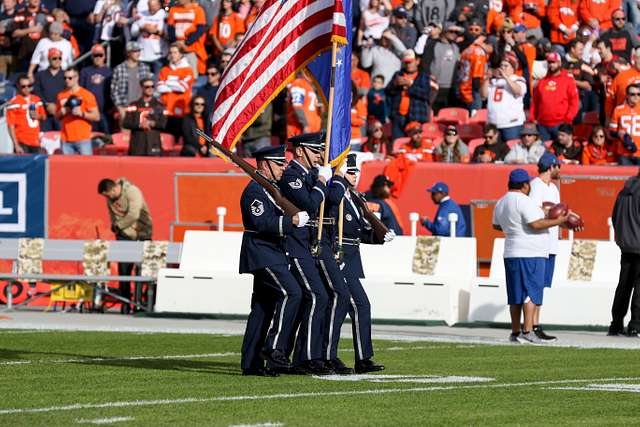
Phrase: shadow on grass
[202,366]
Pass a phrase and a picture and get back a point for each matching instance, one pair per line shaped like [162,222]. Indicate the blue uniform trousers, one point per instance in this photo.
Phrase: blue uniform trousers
[338,307]
[311,316]
[360,313]
[275,303]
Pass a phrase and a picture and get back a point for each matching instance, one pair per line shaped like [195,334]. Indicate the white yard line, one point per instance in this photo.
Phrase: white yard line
[629,388]
[190,400]
[100,421]
[267,424]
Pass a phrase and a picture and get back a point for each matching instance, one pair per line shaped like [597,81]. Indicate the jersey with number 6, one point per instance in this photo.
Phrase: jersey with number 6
[504,108]
[627,119]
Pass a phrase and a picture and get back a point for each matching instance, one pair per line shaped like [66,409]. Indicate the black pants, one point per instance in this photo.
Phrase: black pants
[627,284]
[360,313]
[338,306]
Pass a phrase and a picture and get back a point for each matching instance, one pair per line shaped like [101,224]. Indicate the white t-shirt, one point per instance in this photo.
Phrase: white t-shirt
[506,110]
[41,53]
[540,193]
[512,213]
[154,46]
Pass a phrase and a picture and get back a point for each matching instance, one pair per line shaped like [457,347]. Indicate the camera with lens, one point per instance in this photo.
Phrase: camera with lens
[73,102]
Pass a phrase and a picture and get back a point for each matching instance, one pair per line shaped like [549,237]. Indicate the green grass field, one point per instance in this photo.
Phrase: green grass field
[69,378]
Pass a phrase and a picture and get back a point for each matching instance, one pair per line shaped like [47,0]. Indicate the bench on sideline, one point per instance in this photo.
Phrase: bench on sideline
[31,252]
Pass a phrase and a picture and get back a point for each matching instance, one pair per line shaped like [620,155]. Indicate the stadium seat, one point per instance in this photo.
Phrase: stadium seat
[168,144]
[399,142]
[512,142]
[480,117]
[474,143]
[120,144]
[582,131]
[456,116]
[469,131]
[51,137]
[591,118]
[432,130]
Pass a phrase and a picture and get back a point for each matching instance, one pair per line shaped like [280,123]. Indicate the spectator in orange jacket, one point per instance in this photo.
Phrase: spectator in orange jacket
[418,149]
[563,17]
[624,78]
[528,13]
[598,151]
[174,84]
[358,117]
[597,13]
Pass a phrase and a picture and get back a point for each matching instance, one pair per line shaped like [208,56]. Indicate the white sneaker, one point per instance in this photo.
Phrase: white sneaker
[529,338]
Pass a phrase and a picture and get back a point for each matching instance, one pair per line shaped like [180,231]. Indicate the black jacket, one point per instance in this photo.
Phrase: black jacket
[145,142]
[626,217]
[191,146]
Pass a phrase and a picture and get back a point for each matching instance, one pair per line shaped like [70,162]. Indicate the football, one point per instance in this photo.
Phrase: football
[574,221]
[557,211]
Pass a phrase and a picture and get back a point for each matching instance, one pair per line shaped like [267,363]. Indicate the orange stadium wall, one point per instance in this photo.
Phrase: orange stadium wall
[76,211]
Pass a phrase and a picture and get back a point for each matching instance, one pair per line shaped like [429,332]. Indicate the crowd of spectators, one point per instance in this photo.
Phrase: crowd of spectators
[432,80]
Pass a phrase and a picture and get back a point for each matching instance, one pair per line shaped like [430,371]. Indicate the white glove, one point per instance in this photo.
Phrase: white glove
[325,172]
[389,236]
[574,28]
[303,219]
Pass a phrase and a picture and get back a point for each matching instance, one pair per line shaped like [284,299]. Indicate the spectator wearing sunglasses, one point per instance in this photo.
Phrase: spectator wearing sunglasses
[194,145]
[96,78]
[493,149]
[24,113]
[598,150]
[624,127]
[622,41]
[146,118]
[48,84]
[452,149]
[40,59]
[210,89]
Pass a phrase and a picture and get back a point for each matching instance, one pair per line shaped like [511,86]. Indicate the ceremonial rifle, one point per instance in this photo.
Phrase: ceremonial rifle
[289,208]
[379,229]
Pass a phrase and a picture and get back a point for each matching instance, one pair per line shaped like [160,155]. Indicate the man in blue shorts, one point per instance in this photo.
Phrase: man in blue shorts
[526,248]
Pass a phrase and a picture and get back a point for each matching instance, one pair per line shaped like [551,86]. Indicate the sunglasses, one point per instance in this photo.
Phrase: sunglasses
[26,86]
[618,19]
[634,93]
[148,86]
[213,73]
[98,55]
[56,58]
[70,78]
[489,136]
[198,104]
[600,135]
[377,130]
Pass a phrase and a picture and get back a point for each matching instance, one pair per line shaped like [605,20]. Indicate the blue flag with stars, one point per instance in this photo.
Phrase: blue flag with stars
[320,69]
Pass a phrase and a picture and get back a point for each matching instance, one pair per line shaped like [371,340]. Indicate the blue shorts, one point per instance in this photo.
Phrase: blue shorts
[525,279]
[549,268]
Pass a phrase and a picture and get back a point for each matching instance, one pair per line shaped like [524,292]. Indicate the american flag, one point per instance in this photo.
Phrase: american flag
[286,36]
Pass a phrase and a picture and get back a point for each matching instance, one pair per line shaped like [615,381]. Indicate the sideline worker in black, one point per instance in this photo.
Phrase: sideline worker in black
[276,294]
[626,223]
[357,230]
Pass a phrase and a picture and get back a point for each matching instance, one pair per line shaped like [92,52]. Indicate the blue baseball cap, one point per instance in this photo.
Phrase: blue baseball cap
[519,28]
[439,187]
[548,160]
[518,176]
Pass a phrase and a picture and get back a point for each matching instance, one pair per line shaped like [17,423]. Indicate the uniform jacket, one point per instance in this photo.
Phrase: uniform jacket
[145,142]
[441,225]
[354,227]
[303,189]
[265,229]
[335,193]
[129,213]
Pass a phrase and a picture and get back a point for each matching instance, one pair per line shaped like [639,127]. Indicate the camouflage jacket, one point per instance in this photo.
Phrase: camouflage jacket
[130,214]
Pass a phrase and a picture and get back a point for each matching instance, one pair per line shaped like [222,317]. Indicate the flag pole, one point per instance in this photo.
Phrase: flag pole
[327,148]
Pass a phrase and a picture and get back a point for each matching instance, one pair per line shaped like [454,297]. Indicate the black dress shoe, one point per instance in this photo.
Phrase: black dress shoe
[316,367]
[367,365]
[338,367]
[615,331]
[292,370]
[260,372]
[275,358]
[633,332]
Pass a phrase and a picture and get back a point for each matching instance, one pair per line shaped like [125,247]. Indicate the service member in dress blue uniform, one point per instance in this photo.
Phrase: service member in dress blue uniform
[276,297]
[440,226]
[339,295]
[304,183]
[357,230]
